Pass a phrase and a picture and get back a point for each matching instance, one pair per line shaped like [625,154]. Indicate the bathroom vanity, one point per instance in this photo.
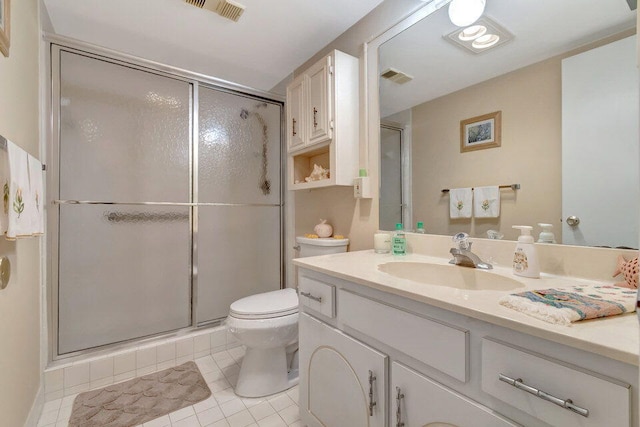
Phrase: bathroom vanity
[381,349]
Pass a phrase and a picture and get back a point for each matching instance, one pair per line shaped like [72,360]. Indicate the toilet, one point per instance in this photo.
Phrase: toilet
[267,325]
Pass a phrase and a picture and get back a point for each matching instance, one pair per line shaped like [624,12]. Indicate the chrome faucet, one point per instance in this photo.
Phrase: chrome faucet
[462,254]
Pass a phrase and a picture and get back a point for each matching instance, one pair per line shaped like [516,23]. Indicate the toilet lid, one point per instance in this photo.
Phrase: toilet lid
[266,305]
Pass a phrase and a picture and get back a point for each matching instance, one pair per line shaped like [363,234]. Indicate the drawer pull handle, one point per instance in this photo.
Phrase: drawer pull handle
[399,397]
[372,402]
[308,295]
[315,118]
[565,403]
[293,122]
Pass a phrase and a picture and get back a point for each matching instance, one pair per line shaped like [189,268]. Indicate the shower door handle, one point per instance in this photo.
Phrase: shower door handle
[146,217]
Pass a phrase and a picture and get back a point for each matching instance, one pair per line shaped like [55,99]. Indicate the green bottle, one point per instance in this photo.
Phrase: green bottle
[420,228]
[399,241]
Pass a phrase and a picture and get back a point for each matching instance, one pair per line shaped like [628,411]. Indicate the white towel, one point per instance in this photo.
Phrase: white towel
[4,190]
[36,196]
[19,189]
[486,202]
[460,201]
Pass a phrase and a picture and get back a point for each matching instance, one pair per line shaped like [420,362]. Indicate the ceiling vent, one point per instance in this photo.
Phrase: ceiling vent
[225,8]
[396,76]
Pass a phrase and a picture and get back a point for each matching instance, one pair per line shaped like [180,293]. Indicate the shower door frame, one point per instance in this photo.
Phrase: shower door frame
[54,46]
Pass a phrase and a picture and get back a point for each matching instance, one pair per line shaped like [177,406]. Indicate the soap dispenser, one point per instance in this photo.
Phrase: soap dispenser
[546,235]
[525,259]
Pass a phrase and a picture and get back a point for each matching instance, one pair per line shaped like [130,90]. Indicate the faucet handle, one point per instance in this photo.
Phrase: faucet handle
[462,241]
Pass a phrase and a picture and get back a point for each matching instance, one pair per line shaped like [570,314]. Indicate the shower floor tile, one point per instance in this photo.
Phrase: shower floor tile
[278,410]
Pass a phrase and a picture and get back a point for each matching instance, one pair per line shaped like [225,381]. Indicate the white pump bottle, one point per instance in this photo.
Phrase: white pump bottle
[525,259]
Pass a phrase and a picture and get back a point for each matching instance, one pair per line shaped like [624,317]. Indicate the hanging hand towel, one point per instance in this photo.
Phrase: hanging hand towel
[4,187]
[36,196]
[563,306]
[460,200]
[486,202]
[19,216]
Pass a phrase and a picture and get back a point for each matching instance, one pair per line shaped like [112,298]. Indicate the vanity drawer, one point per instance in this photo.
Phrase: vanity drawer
[317,296]
[441,346]
[606,400]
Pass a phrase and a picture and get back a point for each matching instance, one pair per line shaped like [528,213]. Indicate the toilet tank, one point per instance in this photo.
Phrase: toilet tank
[320,246]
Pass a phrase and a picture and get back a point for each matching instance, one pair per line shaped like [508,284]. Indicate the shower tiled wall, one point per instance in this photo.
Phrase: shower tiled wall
[76,377]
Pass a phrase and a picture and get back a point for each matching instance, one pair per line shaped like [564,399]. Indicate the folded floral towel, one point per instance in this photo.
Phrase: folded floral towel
[36,190]
[486,202]
[19,224]
[571,304]
[460,200]
[4,186]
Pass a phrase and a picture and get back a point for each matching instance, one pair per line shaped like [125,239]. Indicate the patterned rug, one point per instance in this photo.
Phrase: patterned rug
[141,399]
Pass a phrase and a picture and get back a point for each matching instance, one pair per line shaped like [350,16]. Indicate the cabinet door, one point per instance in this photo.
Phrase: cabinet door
[424,402]
[335,385]
[319,106]
[295,114]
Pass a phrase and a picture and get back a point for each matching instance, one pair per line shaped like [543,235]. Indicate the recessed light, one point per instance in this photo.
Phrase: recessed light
[472,32]
[485,41]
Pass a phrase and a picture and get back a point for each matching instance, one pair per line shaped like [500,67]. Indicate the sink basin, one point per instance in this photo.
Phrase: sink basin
[451,276]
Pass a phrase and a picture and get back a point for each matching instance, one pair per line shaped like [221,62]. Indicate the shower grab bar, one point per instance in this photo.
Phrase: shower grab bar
[188,204]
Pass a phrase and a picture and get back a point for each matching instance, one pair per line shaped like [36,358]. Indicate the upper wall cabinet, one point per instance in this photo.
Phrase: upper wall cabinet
[323,122]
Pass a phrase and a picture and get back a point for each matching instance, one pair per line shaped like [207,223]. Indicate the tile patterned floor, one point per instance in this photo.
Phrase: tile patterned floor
[222,409]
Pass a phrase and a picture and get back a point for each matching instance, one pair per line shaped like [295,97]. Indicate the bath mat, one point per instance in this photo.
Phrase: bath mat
[571,304]
[141,399]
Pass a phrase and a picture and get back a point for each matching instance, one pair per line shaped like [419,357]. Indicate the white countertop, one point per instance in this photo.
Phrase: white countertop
[616,337]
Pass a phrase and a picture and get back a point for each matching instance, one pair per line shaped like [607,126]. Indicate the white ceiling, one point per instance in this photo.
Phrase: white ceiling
[271,39]
[542,29]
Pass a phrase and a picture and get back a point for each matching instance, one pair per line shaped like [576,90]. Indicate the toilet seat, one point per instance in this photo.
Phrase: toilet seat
[266,305]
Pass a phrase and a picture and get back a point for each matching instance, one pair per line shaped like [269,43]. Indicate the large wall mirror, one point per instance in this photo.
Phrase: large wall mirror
[563,77]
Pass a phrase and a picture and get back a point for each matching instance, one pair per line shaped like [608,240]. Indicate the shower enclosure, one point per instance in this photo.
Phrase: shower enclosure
[166,200]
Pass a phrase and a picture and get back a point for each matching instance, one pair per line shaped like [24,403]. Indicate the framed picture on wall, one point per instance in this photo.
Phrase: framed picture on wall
[478,133]
[5,18]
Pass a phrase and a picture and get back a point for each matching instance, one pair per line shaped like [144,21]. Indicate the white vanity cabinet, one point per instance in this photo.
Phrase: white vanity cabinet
[436,367]
[344,379]
[420,401]
[323,122]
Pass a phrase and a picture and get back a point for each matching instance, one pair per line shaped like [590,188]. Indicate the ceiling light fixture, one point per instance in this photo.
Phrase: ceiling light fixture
[478,38]
[485,41]
[472,33]
[465,12]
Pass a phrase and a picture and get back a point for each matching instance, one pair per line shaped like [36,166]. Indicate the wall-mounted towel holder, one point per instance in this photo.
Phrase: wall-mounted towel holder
[3,146]
[511,186]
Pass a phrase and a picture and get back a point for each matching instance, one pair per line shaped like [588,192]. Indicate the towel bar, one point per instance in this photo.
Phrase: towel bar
[511,186]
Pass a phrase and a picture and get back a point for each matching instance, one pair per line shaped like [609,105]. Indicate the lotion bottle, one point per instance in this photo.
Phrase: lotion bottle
[525,259]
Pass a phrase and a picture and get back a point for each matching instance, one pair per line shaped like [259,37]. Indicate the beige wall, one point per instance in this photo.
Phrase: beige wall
[530,101]
[357,219]
[530,155]
[20,301]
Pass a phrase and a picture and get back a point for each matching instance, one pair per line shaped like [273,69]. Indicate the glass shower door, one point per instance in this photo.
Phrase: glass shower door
[239,200]
[124,260]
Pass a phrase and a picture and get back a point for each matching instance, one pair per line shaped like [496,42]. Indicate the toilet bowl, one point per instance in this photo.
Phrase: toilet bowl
[267,325]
